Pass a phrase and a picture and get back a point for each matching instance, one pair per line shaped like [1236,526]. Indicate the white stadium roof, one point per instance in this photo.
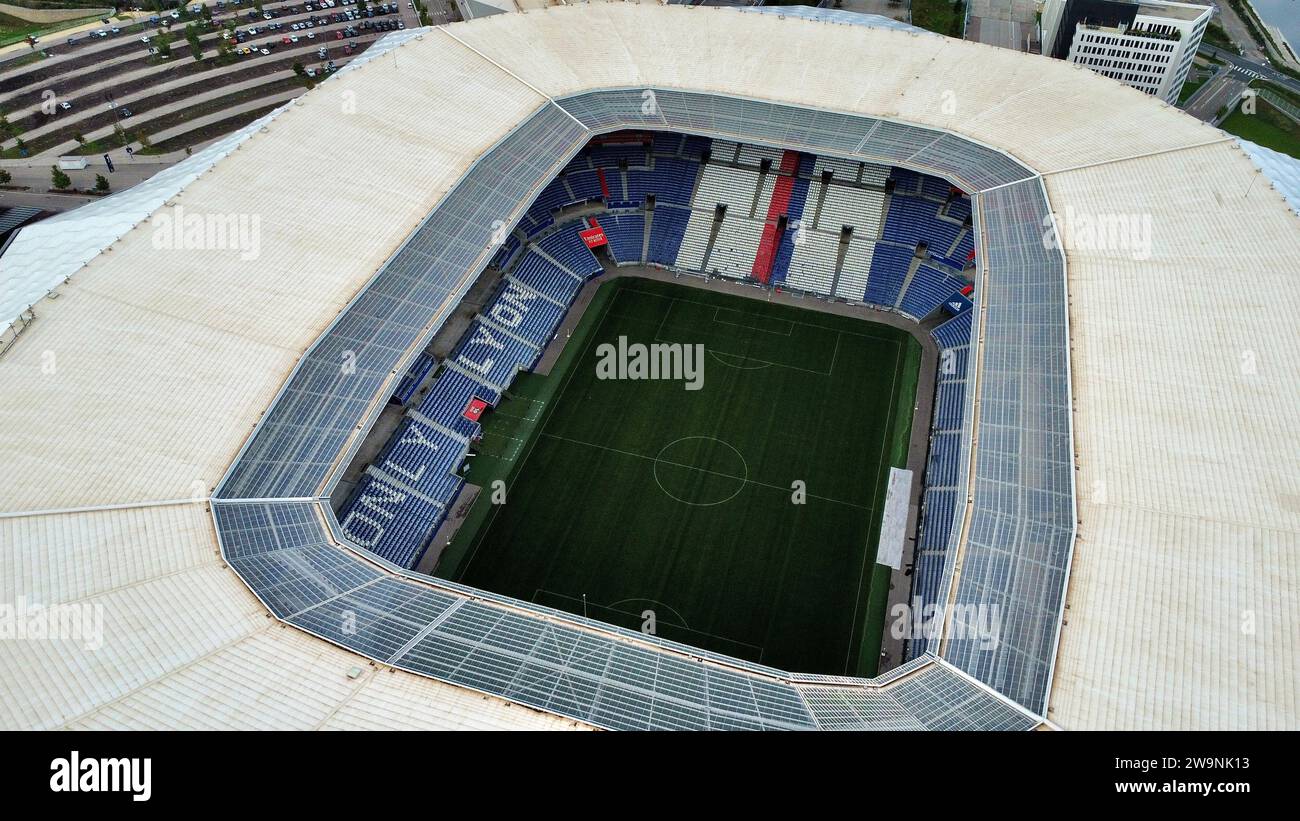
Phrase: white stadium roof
[139,380]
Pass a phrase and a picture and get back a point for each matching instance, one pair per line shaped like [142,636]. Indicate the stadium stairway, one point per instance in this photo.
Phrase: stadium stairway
[777,208]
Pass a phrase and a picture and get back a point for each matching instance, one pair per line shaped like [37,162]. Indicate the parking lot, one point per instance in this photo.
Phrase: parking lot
[138,84]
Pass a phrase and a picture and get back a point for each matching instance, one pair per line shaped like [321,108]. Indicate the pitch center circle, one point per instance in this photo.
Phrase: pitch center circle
[701,471]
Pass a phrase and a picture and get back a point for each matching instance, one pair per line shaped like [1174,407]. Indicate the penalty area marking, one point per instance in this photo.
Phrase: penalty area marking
[789,326]
[518,446]
[535,408]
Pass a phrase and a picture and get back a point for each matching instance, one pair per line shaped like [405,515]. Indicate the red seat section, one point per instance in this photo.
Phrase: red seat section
[604,186]
[771,239]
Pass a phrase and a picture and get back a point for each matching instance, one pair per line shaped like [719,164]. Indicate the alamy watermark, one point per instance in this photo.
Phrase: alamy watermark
[1086,231]
[174,229]
[660,360]
[916,620]
[22,620]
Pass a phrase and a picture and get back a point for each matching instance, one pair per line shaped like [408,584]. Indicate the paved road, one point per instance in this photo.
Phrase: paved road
[1252,67]
[1237,30]
[47,202]
[1224,87]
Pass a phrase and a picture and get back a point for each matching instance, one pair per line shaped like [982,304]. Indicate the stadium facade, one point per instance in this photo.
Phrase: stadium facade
[1125,501]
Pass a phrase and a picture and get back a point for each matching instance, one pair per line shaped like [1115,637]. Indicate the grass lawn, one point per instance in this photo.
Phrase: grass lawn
[1267,127]
[943,16]
[15,30]
[645,496]
[1189,88]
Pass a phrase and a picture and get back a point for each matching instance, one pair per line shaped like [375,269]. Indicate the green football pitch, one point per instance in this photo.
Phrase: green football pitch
[741,518]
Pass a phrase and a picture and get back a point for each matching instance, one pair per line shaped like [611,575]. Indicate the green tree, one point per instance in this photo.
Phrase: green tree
[60,180]
[101,184]
[163,42]
[118,134]
[5,177]
[192,37]
[79,138]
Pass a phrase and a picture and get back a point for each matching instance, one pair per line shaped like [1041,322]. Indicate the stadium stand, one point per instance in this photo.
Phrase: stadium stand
[414,376]
[852,283]
[927,291]
[667,228]
[889,264]
[625,234]
[567,248]
[545,277]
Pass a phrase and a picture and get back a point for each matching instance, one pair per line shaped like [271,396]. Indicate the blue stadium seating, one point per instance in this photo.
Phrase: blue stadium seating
[889,265]
[667,229]
[420,454]
[508,250]
[959,209]
[568,249]
[545,278]
[524,314]
[935,188]
[671,181]
[625,234]
[554,196]
[668,144]
[949,404]
[609,156]
[928,290]
[413,377]
[909,220]
[945,458]
[492,355]
[585,185]
[448,397]
[955,332]
[389,522]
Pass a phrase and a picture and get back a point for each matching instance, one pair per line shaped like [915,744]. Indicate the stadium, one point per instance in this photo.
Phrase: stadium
[264,455]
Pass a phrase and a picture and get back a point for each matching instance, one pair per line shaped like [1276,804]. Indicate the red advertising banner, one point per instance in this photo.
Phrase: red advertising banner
[594,237]
[474,409]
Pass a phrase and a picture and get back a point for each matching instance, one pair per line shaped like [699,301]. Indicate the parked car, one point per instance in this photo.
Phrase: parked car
[65,105]
[124,113]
